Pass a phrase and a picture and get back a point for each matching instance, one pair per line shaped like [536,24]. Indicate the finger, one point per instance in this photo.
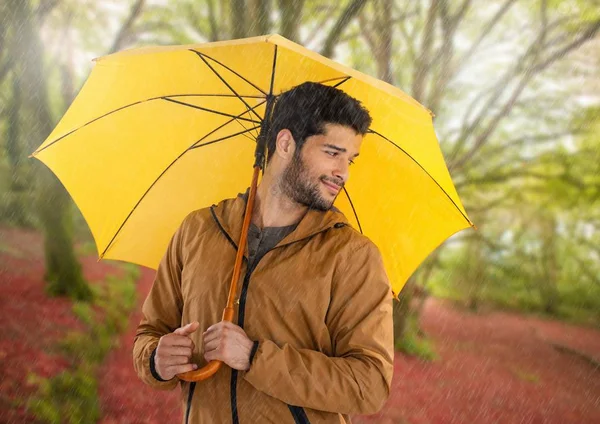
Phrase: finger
[175,360]
[209,337]
[178,369]
[218,326]
[213,355]
[176,340]
[175,351]
[187,329]
[212,345]
[229,326]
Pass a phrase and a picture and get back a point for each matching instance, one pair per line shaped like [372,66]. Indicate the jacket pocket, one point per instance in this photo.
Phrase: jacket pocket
[298,414]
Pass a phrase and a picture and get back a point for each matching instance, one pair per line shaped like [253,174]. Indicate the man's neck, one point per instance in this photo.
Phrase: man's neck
[274,209]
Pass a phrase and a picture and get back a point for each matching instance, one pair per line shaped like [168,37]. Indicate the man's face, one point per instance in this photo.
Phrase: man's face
[317,172]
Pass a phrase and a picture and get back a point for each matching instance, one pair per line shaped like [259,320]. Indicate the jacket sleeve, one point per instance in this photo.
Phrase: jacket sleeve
[357,379]
[161,312]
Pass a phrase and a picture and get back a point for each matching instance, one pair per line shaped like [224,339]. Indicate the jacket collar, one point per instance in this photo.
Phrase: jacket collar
[230,215]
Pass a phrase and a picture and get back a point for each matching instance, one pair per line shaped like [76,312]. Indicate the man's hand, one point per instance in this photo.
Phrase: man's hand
[228,343]
[174,351]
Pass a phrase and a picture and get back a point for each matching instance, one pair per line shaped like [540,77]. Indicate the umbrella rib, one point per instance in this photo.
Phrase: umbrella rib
[212,110]
[226,137]
[353,210]
[201,56]
[244,127]
[230,70]
[250,96]
[164,171]
[254,135]
[341,82]
[273,71]
[131,105]
[424,170]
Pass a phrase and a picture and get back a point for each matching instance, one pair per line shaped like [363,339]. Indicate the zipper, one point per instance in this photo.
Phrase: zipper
[297,412]
[241,316]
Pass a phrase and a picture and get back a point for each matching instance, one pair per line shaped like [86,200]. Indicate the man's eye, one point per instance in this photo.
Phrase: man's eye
[332,154]
[351,162]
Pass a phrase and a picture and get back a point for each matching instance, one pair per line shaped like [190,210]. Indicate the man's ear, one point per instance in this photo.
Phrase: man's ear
[285,145]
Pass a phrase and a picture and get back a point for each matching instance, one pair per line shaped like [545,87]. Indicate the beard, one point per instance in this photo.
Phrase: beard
[296,184]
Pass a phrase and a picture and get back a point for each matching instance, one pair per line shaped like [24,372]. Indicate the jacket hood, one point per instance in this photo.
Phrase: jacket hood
[229,214]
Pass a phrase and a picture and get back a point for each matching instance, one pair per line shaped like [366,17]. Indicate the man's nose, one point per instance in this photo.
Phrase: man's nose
[342,170]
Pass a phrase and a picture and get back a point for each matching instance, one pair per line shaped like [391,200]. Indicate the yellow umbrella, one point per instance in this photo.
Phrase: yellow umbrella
[157,132]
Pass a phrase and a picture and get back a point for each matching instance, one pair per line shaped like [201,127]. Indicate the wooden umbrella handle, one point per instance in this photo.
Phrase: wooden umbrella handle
[213,366]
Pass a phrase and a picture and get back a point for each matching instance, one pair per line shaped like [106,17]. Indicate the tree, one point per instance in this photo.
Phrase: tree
[34,104]
[63,271]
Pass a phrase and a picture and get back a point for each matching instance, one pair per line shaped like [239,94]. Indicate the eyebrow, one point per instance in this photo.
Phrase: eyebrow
[339,149]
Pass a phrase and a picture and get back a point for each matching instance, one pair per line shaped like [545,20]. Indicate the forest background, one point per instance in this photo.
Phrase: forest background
[514,86]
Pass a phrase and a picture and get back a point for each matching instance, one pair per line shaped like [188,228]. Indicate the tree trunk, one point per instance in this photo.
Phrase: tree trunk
[401,310]
[16,208]
[383,51]
[291,15]
[239,20]
[261,20]
[548,285]
[475,276]
[63,272]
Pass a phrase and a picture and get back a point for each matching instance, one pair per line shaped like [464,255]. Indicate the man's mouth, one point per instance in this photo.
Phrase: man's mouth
[334,188]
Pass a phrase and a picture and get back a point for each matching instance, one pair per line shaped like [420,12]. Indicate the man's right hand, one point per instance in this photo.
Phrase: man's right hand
[174,351]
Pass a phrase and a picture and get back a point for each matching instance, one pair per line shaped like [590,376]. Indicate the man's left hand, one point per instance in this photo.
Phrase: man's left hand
[228,343]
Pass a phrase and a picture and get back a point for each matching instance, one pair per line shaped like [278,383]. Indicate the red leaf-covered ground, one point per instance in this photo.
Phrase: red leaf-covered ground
[493,368]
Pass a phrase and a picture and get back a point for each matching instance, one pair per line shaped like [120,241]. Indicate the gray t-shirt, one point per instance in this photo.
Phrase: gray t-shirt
[261,241]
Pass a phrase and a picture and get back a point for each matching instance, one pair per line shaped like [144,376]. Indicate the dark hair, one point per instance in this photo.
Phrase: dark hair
[306,108]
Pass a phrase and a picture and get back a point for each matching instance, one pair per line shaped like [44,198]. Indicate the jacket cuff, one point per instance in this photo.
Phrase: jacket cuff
[253,351]
[153,366]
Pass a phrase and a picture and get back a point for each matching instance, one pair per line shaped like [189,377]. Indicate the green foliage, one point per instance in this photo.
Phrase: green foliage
[72,396]
[515,274]
[115,298]
[69,397]
[414,344]
[526,376]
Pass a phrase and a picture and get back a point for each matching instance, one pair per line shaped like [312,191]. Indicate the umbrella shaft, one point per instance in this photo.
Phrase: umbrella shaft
[265,126]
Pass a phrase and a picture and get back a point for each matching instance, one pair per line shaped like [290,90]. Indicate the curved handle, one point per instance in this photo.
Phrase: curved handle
[213,366]
[203,373]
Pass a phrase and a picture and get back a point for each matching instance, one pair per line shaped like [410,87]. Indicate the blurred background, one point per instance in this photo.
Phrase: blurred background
[497,325]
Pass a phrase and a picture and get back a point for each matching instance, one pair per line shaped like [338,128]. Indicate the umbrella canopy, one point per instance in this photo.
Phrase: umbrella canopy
[158,132]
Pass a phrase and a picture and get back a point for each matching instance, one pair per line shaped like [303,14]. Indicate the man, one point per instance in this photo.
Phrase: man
[314,334]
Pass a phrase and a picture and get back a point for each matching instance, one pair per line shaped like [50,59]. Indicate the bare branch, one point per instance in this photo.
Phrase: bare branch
[445,53]
[409,41]
[125,31]
[528,75]
[260,17]
[588,34]
[501,178]
[329,11]
[44,8]
[383,52]
[291,14]
[367,32]
[194,21]
[423,60]
[5,68]
[487,29]
[345,18]
[493,204]
[214,29]
[534,139]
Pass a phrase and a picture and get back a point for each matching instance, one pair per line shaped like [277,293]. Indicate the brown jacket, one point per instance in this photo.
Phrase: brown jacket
[319,304]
